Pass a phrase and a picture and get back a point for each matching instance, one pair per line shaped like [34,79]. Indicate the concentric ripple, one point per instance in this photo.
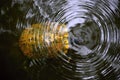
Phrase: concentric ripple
[80,35]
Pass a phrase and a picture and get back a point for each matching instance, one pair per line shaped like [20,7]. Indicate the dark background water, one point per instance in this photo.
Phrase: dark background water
[11,59]
[13,64]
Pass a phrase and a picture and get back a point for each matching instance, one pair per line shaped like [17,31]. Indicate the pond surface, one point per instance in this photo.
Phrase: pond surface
[60,39]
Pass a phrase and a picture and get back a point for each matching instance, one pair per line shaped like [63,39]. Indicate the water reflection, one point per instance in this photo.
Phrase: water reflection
[84,35]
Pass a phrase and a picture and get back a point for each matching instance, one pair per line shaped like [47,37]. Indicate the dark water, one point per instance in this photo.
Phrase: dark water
[90,31]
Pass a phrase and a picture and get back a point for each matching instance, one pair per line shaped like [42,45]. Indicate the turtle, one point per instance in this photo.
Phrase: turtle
[40,41]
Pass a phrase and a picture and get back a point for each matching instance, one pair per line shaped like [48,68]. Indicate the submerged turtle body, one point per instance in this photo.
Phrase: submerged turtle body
[39,42]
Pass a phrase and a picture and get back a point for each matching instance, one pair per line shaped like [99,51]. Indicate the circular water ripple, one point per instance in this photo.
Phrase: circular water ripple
[81,35]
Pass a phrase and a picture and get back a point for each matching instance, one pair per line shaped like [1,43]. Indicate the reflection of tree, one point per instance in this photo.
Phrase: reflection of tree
[10,16]
[17,15]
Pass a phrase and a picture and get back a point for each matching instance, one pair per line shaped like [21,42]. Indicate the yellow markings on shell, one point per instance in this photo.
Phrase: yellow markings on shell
[33,35]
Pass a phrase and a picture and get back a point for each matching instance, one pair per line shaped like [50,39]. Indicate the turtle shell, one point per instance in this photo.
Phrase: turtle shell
[39,41]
